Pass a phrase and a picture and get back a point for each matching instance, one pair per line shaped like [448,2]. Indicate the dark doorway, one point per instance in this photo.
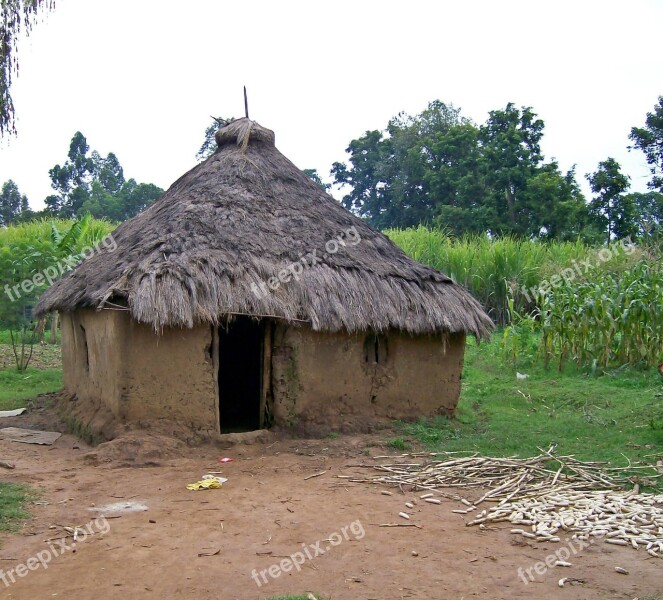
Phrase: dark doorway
[240,375]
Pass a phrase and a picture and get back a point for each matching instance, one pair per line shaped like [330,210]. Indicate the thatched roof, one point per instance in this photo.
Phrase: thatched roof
[209,245]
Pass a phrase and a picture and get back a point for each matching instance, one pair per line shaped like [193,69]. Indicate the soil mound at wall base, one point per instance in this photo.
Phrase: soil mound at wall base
[136,449]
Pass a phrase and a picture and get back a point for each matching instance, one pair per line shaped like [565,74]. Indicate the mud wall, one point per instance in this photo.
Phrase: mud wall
[115,363]
[92,360]
[350,382]
[170,376]
[318,381]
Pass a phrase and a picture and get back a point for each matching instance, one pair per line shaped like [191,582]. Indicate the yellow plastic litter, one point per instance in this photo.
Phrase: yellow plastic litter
[204,484]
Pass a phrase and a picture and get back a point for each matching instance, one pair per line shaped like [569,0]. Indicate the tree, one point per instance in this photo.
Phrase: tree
[208,146]
[131,199]
[407,174]
[511,156]
[108,172]
[611,209]
[439,167]
[13,206]
[136,197]
[649,139]
[452,176]
[15,16]
[91,183]
[648,214]
[363,177]
[553,206]
[314,176]
[72,180]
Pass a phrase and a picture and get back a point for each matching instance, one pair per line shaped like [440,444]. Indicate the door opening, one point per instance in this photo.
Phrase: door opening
[240,375]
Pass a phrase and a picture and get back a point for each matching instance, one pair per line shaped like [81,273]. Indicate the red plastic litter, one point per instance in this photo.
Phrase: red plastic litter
[225,460]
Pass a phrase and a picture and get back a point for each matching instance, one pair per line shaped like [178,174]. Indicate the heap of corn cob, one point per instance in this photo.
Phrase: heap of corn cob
[551,495]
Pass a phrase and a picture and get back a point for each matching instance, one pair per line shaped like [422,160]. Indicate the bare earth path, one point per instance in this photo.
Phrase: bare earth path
[266,512]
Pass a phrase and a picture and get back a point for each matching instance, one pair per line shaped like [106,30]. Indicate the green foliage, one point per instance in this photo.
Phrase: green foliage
[510,147]
[18,264]
[440,168]
[96,185]
[17,387]
[649,139]
[38,230]
[611,209]
[595,418]
[13,498]
[208,147]
[593,306]
[399,444]
[647,215]
[614,319]
[494,270]
[70,242]
[13,205]
[27,253]
[315,177]
[520,339]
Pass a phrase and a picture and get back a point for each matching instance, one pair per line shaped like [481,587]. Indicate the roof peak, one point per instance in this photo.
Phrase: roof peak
[242,132]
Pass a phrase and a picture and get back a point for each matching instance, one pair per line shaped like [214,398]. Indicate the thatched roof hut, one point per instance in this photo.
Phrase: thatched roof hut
[246,233]
[234,222]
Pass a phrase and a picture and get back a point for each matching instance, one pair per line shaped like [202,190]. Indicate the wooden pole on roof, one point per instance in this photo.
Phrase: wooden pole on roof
[246,104]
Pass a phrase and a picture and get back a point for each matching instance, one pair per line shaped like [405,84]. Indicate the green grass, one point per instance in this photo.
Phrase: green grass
[16,388]
[13,498]
[610,416]
[399,444]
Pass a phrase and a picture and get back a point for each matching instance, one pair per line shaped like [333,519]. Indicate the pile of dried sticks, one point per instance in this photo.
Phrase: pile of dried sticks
[503,478]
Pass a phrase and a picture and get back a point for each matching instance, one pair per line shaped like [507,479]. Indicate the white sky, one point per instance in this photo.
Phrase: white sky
[142,77]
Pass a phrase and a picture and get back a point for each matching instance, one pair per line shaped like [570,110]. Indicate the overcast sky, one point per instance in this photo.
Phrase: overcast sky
[141,77]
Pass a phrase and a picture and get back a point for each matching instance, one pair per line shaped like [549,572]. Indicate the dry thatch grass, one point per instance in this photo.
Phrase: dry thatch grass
[239,218]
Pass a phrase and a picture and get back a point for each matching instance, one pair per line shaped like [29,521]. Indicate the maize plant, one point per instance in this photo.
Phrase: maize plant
[614,320]
[496,271]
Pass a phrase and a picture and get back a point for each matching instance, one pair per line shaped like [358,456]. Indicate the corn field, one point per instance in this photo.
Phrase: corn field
[616,319]
[609,313]
[494,270]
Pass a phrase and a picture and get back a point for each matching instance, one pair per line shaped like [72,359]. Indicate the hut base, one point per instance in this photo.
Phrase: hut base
[119,374]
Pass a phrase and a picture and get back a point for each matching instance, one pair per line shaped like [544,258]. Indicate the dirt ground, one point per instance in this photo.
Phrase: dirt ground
[207,544]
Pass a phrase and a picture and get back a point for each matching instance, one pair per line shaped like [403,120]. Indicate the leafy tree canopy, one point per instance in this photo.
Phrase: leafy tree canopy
[439,167]
[208,147]
[13,205]
[649,139]
[611,209]
[314,176]
[90,183]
